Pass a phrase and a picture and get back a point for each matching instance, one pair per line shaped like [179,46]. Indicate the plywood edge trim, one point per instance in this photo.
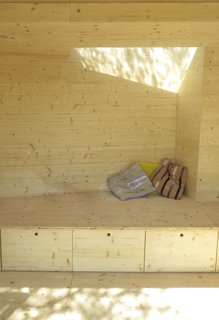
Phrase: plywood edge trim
[143,228]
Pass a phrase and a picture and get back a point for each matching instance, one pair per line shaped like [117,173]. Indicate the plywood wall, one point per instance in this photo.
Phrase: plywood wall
[55,28]
[197,134]
[66,129]
[208,167]
[189,108]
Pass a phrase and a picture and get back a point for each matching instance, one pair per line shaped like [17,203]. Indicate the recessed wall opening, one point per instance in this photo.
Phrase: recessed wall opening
[163,68]
[87,89]
[72,121]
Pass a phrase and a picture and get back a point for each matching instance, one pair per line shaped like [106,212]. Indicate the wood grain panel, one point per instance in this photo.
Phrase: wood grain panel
[147,12]
[190,100]
[34,249]
[108,250]
[60,38]
[197,138]
[180,250]
[65,129]
[103,210]
[208,171]
[108,12]
[56,28]
[34,12]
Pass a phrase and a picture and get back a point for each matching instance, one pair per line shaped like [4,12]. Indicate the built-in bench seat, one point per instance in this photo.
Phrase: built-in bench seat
[94,231]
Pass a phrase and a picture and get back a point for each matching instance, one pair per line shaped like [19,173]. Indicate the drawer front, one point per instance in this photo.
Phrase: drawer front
[30,249]
[108,250]
[180,251]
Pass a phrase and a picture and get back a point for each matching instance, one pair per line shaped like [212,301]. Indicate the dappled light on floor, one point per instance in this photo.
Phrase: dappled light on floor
[31,303]
[163,68]
[145,303]
[96,297]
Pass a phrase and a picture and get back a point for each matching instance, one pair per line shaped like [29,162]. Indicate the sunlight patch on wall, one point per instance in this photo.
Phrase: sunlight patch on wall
[163,68]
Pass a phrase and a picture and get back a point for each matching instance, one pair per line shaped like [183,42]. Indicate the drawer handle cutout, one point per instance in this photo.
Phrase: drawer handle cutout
[36,234]
[108,234]
[181,235]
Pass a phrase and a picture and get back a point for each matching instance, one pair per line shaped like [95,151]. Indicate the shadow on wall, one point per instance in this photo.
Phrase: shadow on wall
[163,68]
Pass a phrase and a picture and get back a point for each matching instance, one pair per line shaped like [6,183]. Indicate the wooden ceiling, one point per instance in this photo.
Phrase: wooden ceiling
[56,28]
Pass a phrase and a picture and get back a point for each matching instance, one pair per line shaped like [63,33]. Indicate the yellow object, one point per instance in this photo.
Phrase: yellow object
[149,167]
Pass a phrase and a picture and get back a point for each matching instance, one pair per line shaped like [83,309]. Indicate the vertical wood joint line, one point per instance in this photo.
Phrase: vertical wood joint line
[216,251]
[144,250]
[69,293]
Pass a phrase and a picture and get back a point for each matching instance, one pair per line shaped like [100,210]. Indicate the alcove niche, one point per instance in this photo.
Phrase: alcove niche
[69,122]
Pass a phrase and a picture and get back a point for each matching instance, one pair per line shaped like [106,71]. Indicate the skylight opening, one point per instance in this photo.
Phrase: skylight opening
[163,68]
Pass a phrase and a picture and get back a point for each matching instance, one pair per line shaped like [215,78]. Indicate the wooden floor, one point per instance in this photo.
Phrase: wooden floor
[102,209]
[101,296]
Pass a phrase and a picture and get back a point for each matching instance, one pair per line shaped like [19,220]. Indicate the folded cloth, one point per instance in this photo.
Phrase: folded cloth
[131,184]
[170,179]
